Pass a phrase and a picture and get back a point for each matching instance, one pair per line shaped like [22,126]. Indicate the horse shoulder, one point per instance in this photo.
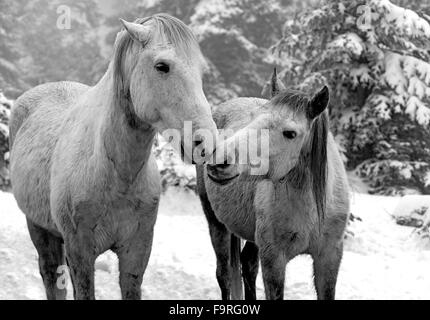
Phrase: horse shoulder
[285,219]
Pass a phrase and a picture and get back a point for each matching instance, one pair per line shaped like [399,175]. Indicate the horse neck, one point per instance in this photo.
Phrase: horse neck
[311,171]
[126,148]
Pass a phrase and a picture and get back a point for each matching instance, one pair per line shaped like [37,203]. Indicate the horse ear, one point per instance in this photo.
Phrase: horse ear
[276,85]
[137,31]
[318,103]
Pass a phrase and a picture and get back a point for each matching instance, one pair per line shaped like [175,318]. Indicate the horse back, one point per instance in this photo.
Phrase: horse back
[36,120]
[56,94]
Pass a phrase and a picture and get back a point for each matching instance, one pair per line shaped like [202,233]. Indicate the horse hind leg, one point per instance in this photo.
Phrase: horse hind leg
[220,238]
[249,260]
[51,256]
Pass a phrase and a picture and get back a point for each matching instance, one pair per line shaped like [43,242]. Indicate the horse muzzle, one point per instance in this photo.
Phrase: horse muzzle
[222,174]
[197,148]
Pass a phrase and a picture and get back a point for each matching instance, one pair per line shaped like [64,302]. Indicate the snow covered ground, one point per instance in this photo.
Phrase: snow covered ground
[382,261]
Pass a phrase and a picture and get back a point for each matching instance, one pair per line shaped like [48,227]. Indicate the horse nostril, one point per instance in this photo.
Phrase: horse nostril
[197,143]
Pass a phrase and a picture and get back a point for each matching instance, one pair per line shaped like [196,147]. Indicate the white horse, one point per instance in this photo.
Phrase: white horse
[81,163]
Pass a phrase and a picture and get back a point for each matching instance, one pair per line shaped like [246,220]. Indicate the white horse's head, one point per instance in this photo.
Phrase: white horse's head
[159,67]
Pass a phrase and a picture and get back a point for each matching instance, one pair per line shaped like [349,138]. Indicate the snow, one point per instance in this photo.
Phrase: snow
[408,204]
[405,21]
[394,76]
[350,41]
[415,67]
[397,69]
[416,109]
[360,75]
[417,87]
[382,261]
[382,107]
[210,14]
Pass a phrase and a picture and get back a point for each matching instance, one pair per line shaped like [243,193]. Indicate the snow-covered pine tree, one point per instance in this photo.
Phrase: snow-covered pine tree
[10,53]
[234,36]
[60,44]
[181,9]
[375,57]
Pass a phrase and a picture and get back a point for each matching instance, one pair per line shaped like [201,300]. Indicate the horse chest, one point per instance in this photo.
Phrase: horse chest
[240,221]
[233,206]
[112,223]
[283,220]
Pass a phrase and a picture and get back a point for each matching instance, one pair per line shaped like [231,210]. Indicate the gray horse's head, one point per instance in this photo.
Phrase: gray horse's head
[297,128]
[158,67]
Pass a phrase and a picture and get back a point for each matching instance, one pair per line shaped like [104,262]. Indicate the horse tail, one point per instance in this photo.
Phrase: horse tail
[236,274]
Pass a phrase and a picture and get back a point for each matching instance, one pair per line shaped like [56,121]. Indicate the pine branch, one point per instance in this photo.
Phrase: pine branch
[415,54]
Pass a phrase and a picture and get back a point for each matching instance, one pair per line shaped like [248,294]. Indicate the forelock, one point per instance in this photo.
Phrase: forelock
[174,32]
[296,100]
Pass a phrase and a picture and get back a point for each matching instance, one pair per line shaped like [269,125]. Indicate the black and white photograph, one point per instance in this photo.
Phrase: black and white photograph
[189,150]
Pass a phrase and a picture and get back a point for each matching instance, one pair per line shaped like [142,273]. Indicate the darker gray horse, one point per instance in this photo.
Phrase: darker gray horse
[300,206]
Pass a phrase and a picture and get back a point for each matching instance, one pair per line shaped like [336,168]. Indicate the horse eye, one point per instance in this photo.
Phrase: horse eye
[289,134]
[162,67]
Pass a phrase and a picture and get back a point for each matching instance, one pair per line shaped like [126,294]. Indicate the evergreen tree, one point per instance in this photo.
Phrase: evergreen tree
[10,81]
[181,9]
[234,36]
[375,57]
[55,52]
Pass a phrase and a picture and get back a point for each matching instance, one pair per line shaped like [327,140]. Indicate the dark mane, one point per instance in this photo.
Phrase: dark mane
[296,100]
[311,169]
[318,161]
[173,31]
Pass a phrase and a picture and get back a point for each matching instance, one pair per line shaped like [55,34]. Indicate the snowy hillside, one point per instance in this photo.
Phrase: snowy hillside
[382,261]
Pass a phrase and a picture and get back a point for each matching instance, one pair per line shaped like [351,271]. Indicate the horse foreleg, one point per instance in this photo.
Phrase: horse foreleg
[327,255]
[221,238]
[221,241]
[273,264]
[133,260]
[326,268]
[80,255]
[51,256]
[273,259]
[249,260]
